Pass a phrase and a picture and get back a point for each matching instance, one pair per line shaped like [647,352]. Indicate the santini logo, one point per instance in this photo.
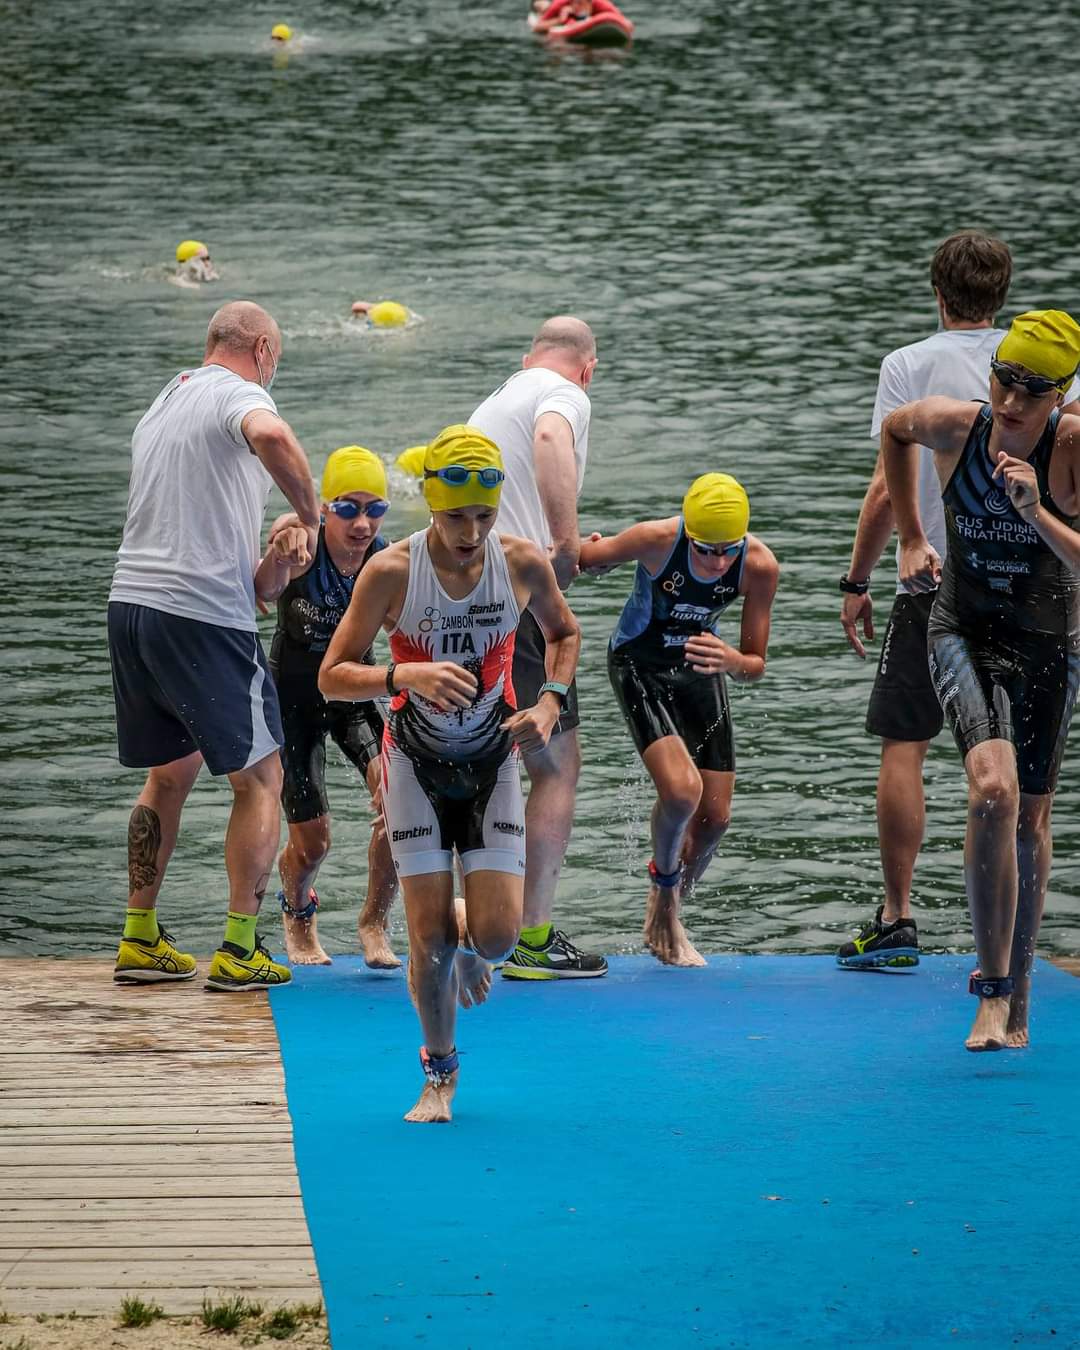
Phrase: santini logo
[417,832]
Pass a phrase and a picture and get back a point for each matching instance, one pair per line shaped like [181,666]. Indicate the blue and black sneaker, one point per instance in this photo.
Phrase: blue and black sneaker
[882,946]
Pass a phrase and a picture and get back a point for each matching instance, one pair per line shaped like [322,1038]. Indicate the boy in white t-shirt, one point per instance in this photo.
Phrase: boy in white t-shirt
[970,274]
[189,675]
[539,419]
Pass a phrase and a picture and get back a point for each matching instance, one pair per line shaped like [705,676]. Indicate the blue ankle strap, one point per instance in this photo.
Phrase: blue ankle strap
[438,1069]
[305,913]
[978,984]
[667,879]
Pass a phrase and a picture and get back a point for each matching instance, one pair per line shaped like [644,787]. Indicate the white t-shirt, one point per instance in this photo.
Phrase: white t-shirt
[955,363]
[196,502]
[509,418]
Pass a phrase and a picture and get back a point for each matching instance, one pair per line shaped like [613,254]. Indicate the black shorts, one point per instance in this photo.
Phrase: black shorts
[181,685]
[659,701]
[529,673]
[1021,690]
[307,718]
[903,704]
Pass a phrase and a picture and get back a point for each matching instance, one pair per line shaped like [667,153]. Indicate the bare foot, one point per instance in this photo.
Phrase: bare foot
[474,979]
[433,1107]
[1016,1033]
[302,942]
[988,1029]
[665,936]
[375,940]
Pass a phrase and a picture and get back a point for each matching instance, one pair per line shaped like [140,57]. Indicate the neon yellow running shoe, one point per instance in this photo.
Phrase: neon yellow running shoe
[233,969]
[139,962]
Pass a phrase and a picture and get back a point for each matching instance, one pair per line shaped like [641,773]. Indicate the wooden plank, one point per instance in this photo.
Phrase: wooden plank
[1069,963]
[200,1229]
[107,1178]
[175,1302]
[147,1274]
[297,1254]
[279,1205]
[171,1113]
[91,1134]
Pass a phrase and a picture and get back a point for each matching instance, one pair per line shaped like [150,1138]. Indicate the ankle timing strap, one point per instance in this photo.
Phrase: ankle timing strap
[305,913]
[667,879]
[438,1069]
[979,985]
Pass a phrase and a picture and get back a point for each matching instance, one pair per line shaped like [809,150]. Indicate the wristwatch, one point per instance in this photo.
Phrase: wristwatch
[854,587]
[561,691]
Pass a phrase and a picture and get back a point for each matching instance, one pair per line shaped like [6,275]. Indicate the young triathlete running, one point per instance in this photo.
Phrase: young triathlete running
[312,593]
[667,666]
[450,597]
[1004,634]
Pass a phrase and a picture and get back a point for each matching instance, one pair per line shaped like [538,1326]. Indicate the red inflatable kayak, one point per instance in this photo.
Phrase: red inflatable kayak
[598,30]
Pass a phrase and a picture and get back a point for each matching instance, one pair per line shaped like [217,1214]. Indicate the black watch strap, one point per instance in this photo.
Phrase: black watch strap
[854,587]
[390,689]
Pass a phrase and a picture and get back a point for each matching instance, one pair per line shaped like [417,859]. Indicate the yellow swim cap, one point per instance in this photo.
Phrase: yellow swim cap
[281,32]
[190,248]
[716,510]
[388,314]
[1046,341]
[412,460]
[471,449]
[353,469]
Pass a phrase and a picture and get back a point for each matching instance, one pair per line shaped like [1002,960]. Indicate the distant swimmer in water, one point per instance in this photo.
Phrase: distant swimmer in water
[281,34]
[382,313]
[548,16]
[1004,633]
[451,597]
[193,265]
[667,665]
[411,461]
[312,591]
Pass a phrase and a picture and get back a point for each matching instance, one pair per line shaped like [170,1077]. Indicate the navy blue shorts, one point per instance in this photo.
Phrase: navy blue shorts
[182,686]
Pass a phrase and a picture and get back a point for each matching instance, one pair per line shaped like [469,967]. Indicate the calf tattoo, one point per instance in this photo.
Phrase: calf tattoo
[144,841]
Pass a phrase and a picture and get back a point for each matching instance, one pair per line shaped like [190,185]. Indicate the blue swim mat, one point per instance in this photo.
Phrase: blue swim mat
[767,1152]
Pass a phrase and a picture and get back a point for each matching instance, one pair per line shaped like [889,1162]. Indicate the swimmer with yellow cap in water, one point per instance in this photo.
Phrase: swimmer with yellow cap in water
[383,314]
[668,666]
[1004,632]
[450,598]
[312,586]
[193,265]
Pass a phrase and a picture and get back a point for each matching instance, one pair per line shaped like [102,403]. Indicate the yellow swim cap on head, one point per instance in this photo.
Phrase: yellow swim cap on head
[353,469]
[190,248]
[1046,341]
[471,449]
[281,32]
[412,460]
[388,314]
[716,510]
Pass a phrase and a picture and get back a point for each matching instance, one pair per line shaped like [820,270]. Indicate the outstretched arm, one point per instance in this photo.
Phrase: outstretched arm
[272,440]
[648,543]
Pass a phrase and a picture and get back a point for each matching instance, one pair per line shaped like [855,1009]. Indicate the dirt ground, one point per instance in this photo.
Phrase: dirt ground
[168,1333]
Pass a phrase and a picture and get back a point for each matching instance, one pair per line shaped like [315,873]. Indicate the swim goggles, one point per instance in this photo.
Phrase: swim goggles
[349,510]
[457,475]
[718,550]
[1038,386]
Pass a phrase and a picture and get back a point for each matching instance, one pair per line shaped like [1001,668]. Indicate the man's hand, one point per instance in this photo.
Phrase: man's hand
[291,546]
[1017,477]
[854,610]
[531,728]
[709,655]
[443,683]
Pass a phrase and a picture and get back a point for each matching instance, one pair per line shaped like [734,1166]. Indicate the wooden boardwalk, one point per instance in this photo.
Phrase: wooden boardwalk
[145,1146]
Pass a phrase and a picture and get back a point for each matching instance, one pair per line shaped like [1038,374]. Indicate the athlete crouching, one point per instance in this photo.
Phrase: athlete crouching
[450,598]
[667,666]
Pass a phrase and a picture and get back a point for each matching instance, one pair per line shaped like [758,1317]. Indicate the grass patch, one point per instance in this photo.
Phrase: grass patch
[5,1317]
[281,1324]
[309,1312]
[135,1313]
[228,1315]
[21,1344]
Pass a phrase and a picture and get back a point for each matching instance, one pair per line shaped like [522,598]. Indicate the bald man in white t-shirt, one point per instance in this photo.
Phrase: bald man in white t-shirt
[539,419]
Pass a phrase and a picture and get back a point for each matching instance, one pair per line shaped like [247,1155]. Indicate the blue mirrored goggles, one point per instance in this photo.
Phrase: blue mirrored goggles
[1038,386]
[457,475]
[717,550]
[349,510]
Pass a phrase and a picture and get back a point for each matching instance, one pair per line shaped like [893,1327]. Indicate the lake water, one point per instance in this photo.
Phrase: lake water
[743,206]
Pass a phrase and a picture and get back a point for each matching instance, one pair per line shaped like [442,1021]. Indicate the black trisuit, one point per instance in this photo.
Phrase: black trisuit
[308,611]
[1004,634]
[658,692]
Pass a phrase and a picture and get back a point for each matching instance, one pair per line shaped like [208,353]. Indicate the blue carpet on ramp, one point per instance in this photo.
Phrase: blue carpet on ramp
[770,1151]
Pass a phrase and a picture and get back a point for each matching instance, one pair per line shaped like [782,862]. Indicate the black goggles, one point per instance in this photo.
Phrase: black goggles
[1038,386]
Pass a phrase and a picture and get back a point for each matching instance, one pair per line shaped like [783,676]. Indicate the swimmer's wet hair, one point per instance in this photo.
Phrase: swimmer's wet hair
[567,334]
[972,271]
[237,326]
